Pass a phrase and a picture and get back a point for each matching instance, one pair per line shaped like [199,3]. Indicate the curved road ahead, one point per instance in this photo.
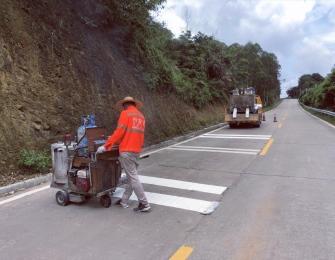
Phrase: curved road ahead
[272,190]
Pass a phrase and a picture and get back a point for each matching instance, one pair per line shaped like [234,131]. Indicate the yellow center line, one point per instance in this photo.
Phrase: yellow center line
[182,253]
[266,147]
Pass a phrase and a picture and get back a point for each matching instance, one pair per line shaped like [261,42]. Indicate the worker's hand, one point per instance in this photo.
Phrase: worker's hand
[101,149]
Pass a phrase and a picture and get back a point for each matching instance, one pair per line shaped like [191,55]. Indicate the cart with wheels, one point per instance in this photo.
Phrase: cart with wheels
[80,174]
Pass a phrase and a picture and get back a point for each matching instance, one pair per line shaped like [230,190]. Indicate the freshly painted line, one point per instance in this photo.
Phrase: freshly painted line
[188,140]
[234,137]
[237,135]
[183,253]
[212,151]
[266,147]
[22,195]
[201,206]
[185,185]
[217,148]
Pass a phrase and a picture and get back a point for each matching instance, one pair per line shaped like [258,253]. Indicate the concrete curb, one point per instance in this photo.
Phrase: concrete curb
[24,184]
[9,189]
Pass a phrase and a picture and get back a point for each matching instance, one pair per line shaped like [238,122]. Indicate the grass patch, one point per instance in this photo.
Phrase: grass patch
[35,161]
[273,106]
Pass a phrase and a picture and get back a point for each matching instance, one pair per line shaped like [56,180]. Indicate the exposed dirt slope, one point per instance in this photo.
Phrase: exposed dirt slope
[62,59]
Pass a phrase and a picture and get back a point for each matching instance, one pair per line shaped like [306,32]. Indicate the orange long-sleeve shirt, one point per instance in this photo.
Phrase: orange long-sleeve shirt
[129,133]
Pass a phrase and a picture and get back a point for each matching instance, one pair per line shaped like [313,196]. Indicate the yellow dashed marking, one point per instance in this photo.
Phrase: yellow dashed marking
[182,253]
[266,147]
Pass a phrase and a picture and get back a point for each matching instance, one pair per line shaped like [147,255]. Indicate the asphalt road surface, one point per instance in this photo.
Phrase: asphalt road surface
[255,193]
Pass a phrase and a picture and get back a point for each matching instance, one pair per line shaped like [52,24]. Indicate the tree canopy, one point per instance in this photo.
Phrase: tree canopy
[305,82]
[322,93]
[198,68]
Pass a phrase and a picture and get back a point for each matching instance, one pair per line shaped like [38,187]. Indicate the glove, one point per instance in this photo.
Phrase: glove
[101,149]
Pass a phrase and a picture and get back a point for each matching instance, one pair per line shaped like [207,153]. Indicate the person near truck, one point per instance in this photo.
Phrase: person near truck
[129,135]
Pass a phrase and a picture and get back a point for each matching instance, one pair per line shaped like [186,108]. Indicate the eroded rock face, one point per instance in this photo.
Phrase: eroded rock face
[5,58]
[62,59]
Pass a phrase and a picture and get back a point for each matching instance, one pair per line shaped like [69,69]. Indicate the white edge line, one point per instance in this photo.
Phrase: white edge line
[22,195]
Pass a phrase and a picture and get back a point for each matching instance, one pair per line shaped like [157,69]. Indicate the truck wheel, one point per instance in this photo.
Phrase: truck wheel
[62,198]
[105,201]
[231,125]
[258,124]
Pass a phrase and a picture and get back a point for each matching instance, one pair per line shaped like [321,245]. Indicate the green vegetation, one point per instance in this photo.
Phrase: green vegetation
[35,160]
[273,106]
[321,95]
[306,82]
[198,68]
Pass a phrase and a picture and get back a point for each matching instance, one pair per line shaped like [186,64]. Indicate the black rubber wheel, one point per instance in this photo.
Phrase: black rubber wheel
[105,201]
[62,198]
[232,125]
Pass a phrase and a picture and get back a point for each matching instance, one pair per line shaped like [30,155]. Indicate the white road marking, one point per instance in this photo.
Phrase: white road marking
[22,195]
[185,185]
[185,141]
[268,136]
[217,148]
[201,206]
[223,136]
[211,150]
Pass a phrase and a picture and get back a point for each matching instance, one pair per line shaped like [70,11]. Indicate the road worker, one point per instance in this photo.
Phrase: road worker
[129,135]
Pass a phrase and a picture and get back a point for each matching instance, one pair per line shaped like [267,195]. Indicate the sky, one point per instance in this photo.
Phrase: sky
[301,33]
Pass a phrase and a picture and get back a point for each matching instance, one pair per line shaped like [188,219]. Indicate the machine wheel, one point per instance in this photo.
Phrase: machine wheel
[62,198]
[258,124]
[231,125]
[105,201]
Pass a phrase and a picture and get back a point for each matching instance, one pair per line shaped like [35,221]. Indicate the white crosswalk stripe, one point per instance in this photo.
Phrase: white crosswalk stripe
[231,136]
[185,185]
[214,149]
[201,206]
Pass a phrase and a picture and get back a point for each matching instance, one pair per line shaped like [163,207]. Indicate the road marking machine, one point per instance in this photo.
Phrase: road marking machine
[78,172]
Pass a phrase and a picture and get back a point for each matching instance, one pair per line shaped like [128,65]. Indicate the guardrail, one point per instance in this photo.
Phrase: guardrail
[326,112]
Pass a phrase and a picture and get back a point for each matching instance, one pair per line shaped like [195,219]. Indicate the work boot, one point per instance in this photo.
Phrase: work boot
[142,208]
[121,204]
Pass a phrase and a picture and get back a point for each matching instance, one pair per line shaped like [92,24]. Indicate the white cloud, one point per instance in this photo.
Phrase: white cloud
[173,21]
[284,13]
[314,56]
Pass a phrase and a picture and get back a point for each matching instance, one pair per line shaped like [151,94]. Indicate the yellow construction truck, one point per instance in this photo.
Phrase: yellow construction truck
[245,107]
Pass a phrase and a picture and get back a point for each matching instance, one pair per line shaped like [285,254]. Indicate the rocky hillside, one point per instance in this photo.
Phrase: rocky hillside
[62,59]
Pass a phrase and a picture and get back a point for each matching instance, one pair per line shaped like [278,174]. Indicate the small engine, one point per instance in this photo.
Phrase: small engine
[83,180]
